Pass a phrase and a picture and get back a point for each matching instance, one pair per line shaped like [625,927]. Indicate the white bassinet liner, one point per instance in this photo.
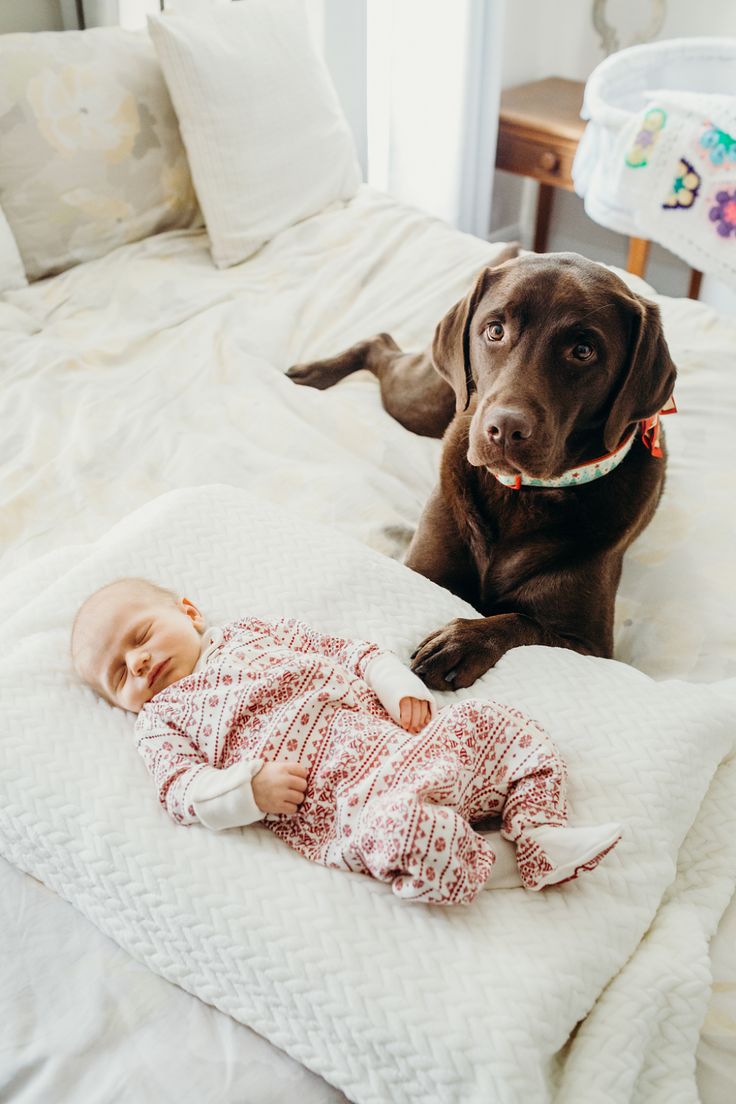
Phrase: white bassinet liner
[680,95]
[329,966]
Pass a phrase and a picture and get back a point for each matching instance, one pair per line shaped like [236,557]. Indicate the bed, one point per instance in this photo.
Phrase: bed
[148,371]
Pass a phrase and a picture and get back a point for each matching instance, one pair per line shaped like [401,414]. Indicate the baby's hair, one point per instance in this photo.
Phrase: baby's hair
[144,586]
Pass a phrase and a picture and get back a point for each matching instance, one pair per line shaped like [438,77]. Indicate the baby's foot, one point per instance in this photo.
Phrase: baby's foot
[548,856]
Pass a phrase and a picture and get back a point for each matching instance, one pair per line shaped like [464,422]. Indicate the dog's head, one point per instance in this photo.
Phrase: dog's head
[564,358]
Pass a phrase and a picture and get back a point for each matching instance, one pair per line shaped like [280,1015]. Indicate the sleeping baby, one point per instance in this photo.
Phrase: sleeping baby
[333,745]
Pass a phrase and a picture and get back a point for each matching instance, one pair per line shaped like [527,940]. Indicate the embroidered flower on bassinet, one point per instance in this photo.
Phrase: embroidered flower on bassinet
[651,124]
[685,187]
[720,145]
[724,213]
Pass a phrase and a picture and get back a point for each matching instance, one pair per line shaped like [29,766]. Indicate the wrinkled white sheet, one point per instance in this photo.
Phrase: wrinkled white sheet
[149,370]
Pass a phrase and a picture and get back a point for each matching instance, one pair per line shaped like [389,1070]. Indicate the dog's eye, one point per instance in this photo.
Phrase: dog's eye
[494,331]
[582,351]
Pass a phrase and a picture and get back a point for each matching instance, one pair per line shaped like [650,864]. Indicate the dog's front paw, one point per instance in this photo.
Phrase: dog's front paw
[456,655]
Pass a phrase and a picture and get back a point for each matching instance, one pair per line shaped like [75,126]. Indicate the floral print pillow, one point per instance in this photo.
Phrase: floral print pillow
[90,151]
[12,275]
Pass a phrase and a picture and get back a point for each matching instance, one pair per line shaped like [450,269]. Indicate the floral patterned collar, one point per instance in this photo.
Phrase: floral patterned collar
[603,465]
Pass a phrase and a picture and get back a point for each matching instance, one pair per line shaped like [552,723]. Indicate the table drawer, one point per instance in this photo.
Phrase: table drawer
[545,160]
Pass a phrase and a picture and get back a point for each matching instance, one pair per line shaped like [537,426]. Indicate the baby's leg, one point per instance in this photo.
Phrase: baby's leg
[503,763]
[518,769]
[427,852]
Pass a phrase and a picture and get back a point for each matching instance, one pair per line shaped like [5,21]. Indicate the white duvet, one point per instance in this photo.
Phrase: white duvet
[330,966]
[150,370]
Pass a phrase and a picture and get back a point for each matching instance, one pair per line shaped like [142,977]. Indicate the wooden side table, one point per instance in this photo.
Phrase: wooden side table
[539,128]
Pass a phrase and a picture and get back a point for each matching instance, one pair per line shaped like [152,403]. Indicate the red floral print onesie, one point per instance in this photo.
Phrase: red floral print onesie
[379,800]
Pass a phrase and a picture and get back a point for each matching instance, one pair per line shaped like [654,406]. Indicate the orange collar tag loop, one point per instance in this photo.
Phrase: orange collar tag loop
[650,427]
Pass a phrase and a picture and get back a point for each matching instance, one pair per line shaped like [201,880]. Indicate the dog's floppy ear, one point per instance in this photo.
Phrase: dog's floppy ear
[451,344]
[649,375]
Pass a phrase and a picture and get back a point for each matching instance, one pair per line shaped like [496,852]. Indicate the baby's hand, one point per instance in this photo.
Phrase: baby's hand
[414,714]
[280,787]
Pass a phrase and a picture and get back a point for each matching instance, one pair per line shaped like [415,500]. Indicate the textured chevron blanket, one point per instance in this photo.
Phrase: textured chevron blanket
[658,157]
[593,991]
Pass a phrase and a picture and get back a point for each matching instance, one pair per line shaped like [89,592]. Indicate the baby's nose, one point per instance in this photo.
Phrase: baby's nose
[140,662]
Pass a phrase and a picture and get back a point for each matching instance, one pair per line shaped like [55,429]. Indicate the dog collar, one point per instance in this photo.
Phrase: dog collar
[603,465]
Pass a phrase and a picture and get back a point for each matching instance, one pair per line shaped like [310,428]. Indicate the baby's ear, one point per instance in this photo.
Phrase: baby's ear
[189,608]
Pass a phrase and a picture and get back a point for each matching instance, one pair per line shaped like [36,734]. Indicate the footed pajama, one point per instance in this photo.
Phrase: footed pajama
[379,800]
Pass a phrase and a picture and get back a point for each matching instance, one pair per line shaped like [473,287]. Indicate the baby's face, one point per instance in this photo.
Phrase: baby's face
[133,647]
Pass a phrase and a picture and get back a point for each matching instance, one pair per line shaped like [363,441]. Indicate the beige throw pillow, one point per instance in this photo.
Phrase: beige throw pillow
[11,267]
[90,151]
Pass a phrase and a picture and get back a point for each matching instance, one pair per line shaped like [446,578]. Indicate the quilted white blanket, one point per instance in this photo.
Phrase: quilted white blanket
[330,966]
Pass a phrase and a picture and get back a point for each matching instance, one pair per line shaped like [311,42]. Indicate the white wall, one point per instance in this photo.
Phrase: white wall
[546,39]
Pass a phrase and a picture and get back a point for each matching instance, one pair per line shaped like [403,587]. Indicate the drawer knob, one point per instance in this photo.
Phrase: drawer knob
[549,161]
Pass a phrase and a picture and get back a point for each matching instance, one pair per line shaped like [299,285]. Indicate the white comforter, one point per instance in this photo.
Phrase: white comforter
[150,370]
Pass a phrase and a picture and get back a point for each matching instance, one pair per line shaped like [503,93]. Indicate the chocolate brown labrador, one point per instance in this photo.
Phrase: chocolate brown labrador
[548,363]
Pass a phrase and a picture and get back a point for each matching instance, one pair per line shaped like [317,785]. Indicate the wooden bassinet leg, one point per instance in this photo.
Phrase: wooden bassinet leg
[638,256]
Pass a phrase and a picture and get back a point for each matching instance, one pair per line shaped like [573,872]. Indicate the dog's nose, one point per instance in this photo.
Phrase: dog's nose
[506,426]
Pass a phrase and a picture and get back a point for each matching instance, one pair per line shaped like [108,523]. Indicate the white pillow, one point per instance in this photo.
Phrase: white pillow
[387,1000]
[11,266]
[267,142]
[90,151]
